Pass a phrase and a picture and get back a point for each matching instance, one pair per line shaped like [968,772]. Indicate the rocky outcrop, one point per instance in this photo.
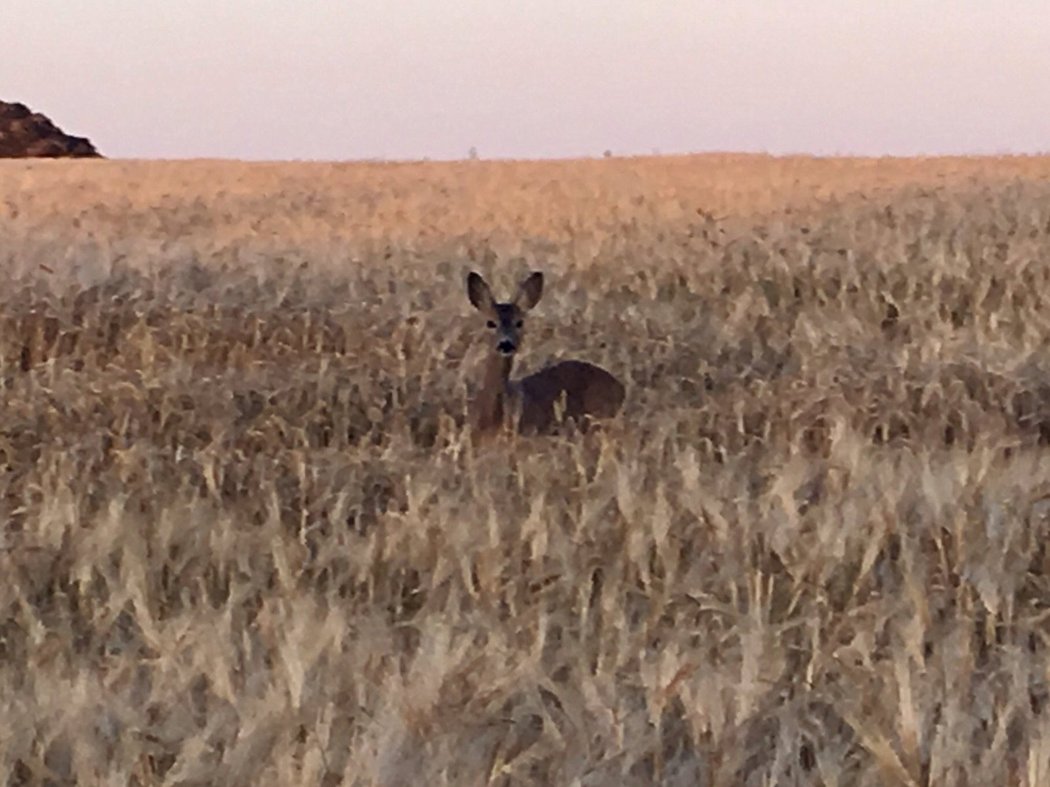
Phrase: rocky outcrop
[26,134]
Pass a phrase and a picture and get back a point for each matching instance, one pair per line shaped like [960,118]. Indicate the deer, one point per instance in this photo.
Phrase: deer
[577,390]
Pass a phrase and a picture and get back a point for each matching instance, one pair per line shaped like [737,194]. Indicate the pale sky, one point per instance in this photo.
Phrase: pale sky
[320,79]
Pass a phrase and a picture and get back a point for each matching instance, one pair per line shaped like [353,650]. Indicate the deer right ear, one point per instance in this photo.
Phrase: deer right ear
[529,291]
[479,293]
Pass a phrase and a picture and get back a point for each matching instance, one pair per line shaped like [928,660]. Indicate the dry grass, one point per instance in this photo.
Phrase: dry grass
[245,540]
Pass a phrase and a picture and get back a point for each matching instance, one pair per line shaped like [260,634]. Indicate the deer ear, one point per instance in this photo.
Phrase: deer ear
[529,291]
[479,293]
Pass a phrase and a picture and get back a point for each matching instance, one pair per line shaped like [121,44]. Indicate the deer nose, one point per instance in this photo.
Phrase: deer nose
[506,346]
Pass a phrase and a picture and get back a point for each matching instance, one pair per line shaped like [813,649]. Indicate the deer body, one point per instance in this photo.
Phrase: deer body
[583,389]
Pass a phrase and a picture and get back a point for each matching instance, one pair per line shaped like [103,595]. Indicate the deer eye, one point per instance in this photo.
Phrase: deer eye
[490,324]
[519,323]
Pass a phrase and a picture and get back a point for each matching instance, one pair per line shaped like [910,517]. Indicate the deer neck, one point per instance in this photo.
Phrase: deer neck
[490,405]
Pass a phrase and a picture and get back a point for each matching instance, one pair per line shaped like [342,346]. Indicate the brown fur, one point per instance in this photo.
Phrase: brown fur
[584,390]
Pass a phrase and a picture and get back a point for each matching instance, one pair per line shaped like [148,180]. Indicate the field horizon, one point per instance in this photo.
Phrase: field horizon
[247,538]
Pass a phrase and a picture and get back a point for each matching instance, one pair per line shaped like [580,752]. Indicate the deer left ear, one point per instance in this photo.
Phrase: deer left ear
[529,291]
[479,293]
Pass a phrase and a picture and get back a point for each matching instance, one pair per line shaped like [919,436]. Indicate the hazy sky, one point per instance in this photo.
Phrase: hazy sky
[276,79]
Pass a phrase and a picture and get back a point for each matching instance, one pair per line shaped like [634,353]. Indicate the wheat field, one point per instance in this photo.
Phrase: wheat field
[246,539]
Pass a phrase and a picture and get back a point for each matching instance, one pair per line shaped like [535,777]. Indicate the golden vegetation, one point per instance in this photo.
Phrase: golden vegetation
[246,541]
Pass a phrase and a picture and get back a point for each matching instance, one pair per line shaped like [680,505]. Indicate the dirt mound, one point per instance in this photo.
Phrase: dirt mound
[26,134]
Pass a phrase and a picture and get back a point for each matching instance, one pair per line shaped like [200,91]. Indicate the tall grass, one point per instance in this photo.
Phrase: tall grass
[246,540]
